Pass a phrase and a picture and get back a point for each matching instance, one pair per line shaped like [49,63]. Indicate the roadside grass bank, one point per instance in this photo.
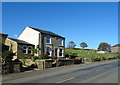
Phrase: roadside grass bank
[86,53]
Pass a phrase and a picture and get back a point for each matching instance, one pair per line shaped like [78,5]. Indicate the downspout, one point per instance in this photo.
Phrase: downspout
[39,51]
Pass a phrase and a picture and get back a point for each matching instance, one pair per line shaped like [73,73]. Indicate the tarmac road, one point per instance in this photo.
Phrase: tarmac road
[99,72]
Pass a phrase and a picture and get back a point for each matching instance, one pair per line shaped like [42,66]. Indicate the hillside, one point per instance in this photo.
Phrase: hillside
[89,53]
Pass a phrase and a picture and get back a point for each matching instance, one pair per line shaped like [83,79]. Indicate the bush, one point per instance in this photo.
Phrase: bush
[54,57]
[44,56]
[35,58]
[26,57]
[8,55]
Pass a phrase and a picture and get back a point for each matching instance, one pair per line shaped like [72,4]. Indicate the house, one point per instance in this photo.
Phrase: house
[47,42]
[116,48]
[19,47]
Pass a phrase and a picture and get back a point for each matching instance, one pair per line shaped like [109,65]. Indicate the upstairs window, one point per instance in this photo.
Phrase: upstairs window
[48,39]
[61,42]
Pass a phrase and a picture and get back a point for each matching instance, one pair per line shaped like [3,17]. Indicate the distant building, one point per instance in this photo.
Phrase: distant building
[116,48]
[47,42]
[102,52]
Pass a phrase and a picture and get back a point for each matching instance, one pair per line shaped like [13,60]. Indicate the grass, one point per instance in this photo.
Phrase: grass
[89,53]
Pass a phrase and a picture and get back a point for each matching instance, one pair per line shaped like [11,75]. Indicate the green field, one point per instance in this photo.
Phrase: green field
[89,53]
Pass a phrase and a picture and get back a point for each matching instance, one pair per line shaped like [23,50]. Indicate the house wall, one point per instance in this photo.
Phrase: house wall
[29,35]
[20,53]
[54,44]
[115,49]
[12,46]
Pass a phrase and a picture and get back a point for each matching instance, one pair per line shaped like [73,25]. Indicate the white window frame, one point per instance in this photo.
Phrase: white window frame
[29,49]
[46,39]
[24,49]
[49,51]
[60,41]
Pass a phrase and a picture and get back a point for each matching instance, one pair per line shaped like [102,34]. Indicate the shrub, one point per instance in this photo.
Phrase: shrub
[44,56]
[25,57]
[54,57]
[35,58]
[7,55]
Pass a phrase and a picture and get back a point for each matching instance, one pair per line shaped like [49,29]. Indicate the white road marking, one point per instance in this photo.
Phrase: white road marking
[66,80]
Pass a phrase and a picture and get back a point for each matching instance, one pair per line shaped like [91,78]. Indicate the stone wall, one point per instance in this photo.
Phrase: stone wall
[11,67]
[64,62]
[115,49]
[43,64]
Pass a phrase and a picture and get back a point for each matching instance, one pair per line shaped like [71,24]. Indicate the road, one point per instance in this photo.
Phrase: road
[100,72]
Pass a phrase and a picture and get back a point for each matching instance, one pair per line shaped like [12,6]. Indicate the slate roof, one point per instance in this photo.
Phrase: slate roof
[3,34]
[117,45]
[47,32]
[21,41]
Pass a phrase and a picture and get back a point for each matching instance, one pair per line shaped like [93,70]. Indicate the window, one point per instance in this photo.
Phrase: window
[48,51]
[30,50]
[60,52]
[61,42]
[48,39]
[24,49]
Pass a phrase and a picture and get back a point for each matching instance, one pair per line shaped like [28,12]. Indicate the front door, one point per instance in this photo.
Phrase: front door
[56,51]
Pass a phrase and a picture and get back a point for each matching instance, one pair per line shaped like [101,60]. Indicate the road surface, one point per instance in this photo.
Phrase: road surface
[99,72]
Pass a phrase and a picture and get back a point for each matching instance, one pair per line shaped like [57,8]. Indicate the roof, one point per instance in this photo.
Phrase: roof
[47,32]
[3,34]
[21,41]
[117,45]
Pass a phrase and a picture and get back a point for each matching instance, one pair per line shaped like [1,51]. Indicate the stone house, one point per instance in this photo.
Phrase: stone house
[116,48]
[47,42]
[19,47]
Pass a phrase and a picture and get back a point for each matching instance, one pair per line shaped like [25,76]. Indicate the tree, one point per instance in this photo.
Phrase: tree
[104,47]
[71,44]
[83,45]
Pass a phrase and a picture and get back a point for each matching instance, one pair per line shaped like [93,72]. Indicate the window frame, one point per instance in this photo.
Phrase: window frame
[49,39]
[61,42]
[50,51]
[29,50]
[24,49]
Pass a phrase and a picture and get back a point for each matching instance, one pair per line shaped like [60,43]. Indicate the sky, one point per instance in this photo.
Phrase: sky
[90,22]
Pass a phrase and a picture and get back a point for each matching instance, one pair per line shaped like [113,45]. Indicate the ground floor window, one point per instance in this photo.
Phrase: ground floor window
[24,49]
[48,51]
[29,49]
